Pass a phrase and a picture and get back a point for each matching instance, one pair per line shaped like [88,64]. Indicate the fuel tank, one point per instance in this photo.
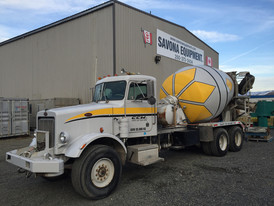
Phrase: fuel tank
[202,92]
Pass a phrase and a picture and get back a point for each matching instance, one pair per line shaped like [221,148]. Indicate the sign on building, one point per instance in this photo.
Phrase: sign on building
[179,50]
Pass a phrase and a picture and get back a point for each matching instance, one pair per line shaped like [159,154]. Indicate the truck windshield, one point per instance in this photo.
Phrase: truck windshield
[108,91]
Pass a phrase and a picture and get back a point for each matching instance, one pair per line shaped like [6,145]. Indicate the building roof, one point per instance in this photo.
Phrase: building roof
[88,11]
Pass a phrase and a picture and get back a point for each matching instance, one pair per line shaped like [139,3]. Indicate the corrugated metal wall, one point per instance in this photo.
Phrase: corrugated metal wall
[61,61]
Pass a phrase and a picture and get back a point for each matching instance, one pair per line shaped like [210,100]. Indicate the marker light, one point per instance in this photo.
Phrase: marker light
[83,146]
[101,129]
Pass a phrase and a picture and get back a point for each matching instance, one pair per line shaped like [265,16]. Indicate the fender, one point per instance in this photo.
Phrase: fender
[76,147]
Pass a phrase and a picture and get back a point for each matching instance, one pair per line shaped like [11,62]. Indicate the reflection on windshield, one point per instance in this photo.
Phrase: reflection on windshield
[109,91]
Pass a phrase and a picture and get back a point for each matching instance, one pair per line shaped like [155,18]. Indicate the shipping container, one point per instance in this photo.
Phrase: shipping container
[5,118]
[14,117]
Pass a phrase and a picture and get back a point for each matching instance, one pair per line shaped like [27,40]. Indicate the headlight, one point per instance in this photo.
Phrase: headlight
[64,137]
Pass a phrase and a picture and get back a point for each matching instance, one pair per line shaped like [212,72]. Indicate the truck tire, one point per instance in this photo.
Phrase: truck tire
[235,138]
[96,173]
[206,148]
[219,146]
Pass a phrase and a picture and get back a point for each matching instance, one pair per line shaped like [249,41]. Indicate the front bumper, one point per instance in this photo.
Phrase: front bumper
[36,164]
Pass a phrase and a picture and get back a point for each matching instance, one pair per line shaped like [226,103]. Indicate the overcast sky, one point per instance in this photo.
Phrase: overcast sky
[241,31]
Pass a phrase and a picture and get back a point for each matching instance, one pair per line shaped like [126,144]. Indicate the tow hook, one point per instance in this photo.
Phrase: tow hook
[28,174]
[21,170]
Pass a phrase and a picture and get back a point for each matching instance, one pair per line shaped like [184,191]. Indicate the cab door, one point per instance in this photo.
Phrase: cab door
[140,114]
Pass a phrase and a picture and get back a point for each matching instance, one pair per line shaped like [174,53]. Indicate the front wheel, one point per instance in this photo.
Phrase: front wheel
[97,172]
[219,146]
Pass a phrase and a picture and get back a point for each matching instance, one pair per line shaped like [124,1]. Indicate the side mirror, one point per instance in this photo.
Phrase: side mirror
[151,100]
[150,88]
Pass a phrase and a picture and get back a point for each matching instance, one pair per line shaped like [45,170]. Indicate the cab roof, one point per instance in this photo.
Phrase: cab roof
[126,78]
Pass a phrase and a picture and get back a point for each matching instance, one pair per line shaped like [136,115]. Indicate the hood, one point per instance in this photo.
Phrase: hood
[72,113]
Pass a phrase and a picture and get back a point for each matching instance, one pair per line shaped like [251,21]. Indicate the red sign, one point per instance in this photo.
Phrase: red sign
[208,61]
[147,37]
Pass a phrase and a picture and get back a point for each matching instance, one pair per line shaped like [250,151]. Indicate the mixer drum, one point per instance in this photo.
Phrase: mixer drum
[202,91]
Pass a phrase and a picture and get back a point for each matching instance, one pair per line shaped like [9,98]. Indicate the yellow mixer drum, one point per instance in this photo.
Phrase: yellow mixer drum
[202,91]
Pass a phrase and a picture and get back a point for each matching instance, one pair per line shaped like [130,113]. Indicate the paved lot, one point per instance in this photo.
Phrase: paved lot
[186,177]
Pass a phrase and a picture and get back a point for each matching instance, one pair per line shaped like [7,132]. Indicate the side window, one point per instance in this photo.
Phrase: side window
[137,91]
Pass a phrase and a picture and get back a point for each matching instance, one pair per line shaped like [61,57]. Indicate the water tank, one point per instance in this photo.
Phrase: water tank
[202,92]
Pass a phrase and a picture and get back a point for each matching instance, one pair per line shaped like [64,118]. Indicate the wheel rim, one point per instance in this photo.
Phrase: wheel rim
[238,139]
[223,142]
[102,172]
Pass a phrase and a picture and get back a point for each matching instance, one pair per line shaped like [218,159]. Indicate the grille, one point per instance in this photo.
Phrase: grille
[47,124]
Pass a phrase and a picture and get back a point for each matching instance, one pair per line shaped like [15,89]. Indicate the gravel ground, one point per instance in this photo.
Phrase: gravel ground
[186,177]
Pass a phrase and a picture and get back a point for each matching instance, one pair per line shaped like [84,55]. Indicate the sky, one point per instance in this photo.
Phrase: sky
[241,31]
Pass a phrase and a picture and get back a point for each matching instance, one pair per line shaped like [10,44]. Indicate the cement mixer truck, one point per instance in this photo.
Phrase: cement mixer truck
[125,123]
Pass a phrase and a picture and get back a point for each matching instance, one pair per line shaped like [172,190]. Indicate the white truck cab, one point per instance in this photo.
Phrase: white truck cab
[122,107]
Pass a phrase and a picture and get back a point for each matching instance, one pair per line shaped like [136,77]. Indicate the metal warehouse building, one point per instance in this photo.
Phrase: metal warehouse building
[65,58]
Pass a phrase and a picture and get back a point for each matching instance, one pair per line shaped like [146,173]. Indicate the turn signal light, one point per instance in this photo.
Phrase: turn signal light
[101,129]
[84,145]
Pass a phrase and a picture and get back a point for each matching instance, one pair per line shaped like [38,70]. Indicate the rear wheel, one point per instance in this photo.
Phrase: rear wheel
[97,172]
[219,146]
[235,138]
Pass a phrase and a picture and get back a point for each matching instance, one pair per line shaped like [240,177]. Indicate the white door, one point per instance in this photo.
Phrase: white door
[140,113]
